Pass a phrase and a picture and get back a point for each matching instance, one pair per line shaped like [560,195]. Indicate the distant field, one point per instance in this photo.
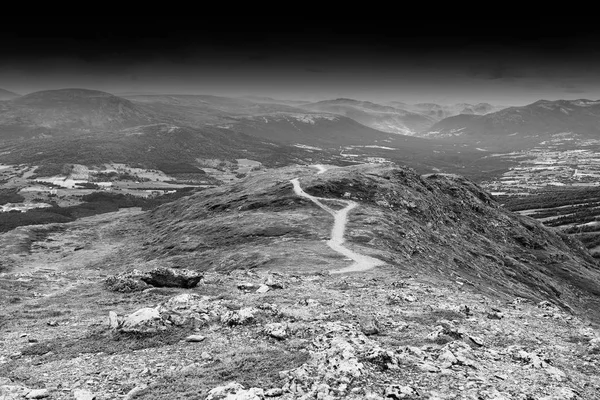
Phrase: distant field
[574,210]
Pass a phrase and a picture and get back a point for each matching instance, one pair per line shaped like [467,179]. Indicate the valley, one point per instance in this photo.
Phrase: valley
[195,246]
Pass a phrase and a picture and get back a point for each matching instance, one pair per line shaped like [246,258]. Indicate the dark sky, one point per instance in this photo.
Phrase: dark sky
[383,56]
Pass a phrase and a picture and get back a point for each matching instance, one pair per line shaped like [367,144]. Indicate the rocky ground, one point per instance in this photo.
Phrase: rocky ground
[277,324]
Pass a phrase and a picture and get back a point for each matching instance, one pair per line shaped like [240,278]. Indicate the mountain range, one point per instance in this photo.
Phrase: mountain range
[522,126]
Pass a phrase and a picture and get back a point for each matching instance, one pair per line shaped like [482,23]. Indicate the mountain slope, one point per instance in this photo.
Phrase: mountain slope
[438,112]
[527,125]
[439,225]
[65,110]
[7,95]
[149,145]
[376,116]
[454,313]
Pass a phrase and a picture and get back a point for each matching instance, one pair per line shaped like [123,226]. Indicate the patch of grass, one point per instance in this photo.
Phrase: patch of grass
[106,342]
[252,367]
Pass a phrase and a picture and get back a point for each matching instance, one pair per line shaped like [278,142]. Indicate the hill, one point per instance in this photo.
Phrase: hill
[523,126]
[376,116]
[418,219]
[58,112]
[7,95]
[469,300]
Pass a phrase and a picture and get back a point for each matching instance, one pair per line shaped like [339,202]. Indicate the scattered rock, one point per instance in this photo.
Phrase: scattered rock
[594,346]
[241,317]
[275,392]
[494,315]
[400,392]
[135,392]
[276,330]
[13,392]
[38,394]
[263,289]
[235,391]
[195,338]
[273,284]
[82,394]
[247,286]
[369,326]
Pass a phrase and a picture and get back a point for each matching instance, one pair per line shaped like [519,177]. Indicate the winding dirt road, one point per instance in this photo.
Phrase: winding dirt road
[361,262]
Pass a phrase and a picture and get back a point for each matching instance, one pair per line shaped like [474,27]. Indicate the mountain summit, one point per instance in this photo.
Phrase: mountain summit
[7,95]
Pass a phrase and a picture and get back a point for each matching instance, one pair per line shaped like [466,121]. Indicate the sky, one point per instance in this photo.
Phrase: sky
[393,56]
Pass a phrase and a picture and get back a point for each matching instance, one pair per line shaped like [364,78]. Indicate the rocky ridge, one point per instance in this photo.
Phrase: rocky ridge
[473,301]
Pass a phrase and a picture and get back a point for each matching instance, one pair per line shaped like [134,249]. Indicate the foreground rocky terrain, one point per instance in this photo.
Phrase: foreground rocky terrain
[473,302]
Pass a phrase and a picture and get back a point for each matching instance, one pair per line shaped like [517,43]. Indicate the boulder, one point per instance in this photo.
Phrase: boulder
[145,320]
[276,330]
[169,277]
[82,394]
[38,394]
[241,317]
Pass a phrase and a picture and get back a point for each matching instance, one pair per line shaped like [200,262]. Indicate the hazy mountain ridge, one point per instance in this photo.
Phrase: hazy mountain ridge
[532,123]
[376,116]
[64,110]
[7,95]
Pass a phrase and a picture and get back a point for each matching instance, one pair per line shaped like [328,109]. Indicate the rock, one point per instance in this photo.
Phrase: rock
[400,392]
[273,284]
[235,391]
[169,277]
[52,323]
[247,286]
[275,392]
[563,393]
[556,373]
[465,309]
[195,338]
[240,317]
[477,341]
[428,367]
[126,282]
[494,315]
[206,356]
[113,320]
[276,330]
[135,392]
[82,394]
[263,289]
[145,320]
[13,392]
[369,326]
[594,346]
[38,394]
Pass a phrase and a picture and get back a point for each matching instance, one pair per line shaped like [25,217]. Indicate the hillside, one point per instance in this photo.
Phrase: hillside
[376,116]
[7,95]
[413,218]
[58,112]
[150,146]
[524,126]
[468,299]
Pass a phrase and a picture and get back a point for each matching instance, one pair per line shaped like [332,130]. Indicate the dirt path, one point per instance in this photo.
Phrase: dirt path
[361,262]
